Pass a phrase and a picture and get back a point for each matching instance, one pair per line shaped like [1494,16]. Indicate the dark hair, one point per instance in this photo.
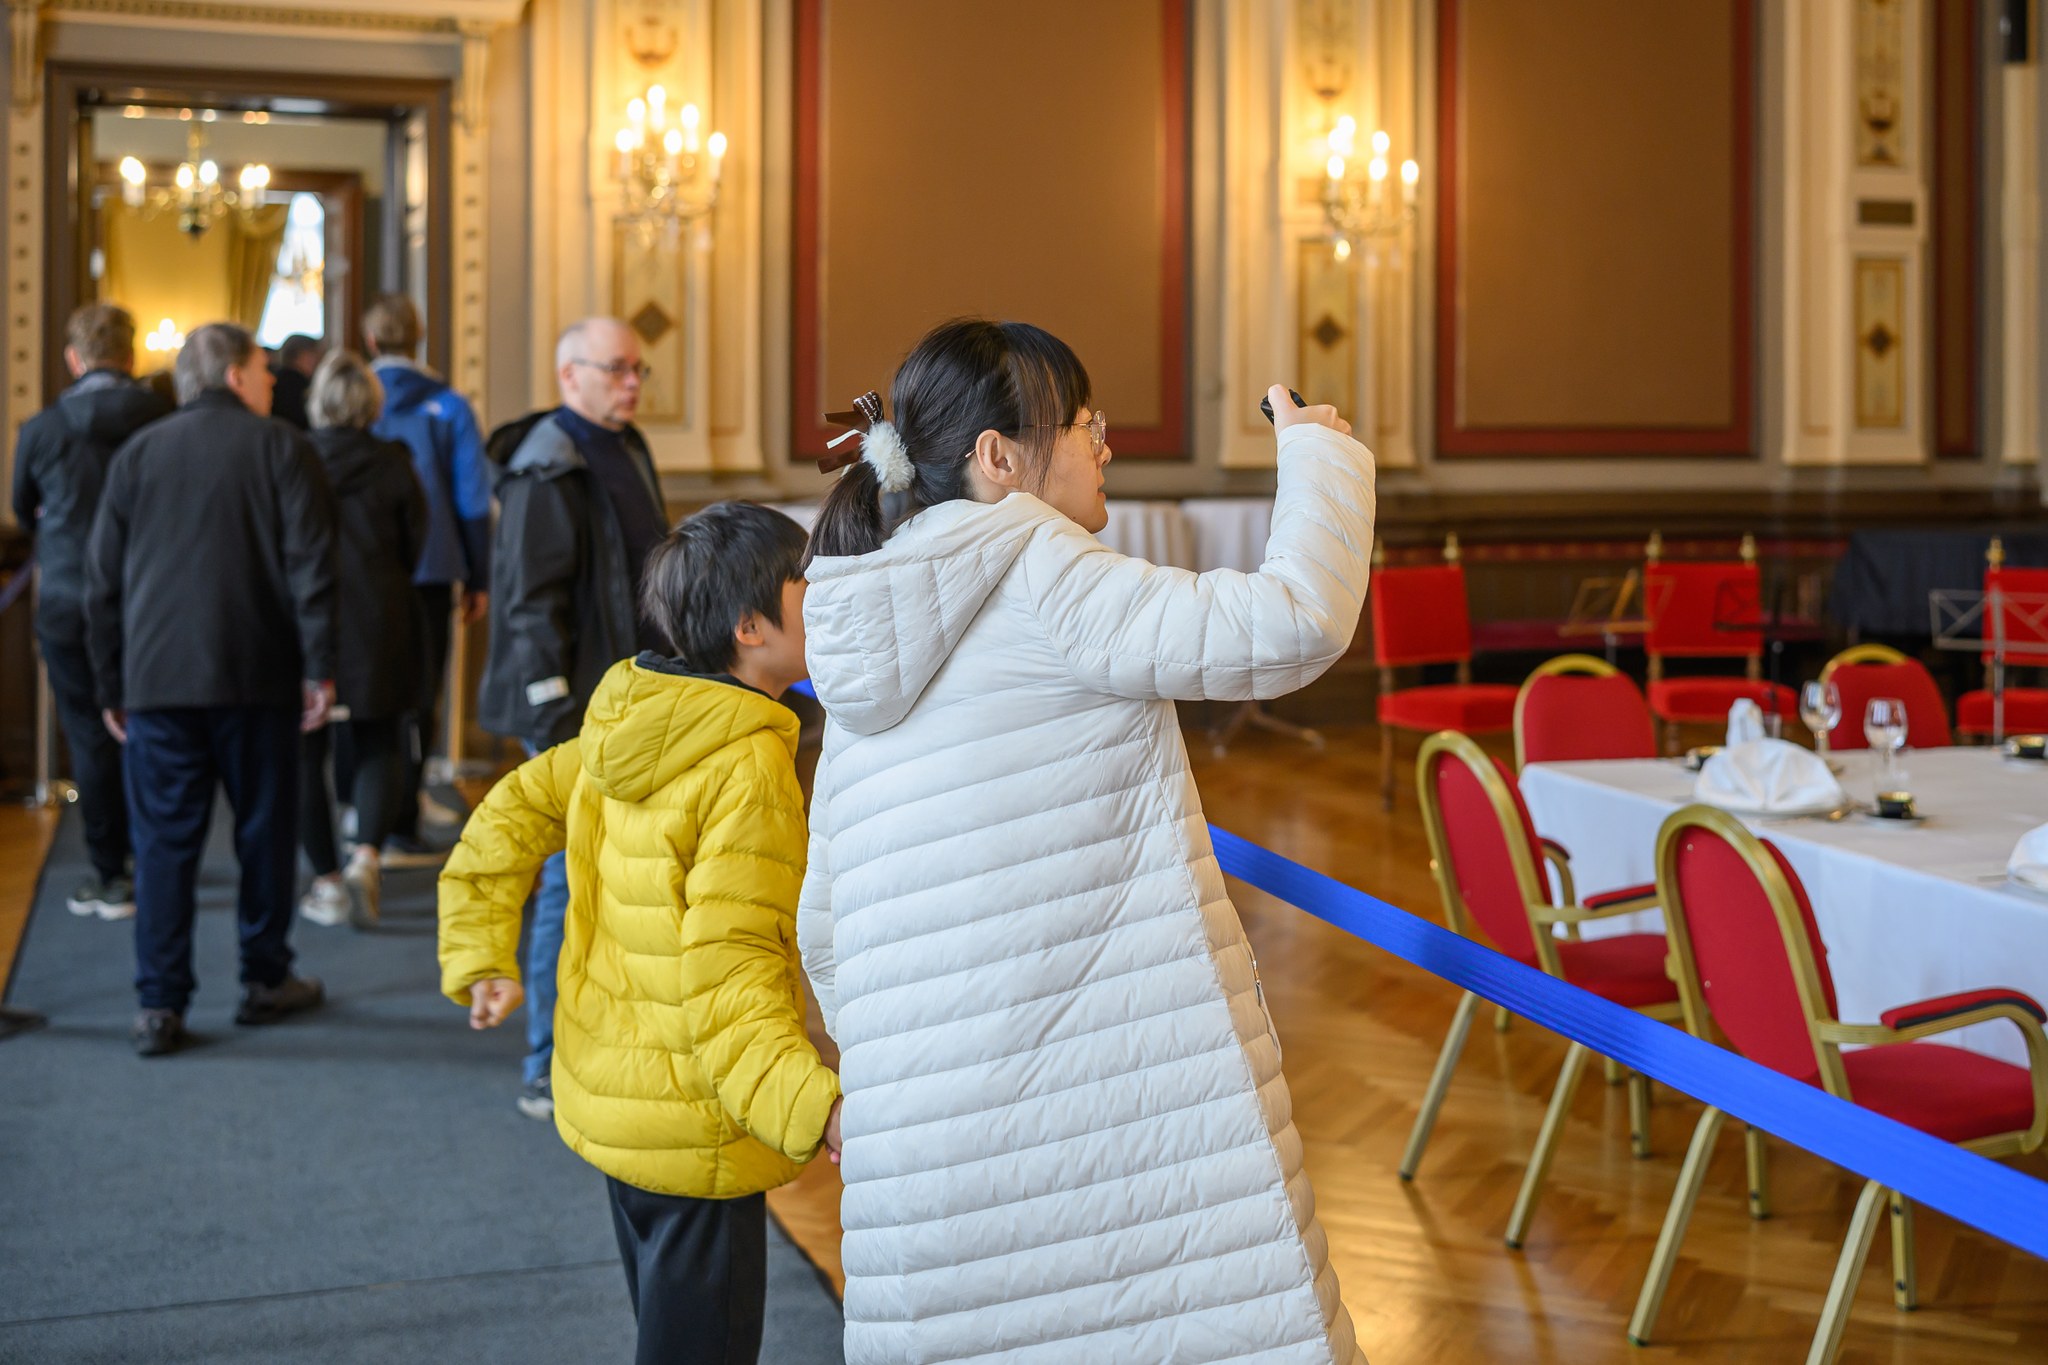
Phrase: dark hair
[297,347]
[713,568]
[967,376]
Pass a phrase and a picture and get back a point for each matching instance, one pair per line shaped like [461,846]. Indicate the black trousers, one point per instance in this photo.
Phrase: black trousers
[174,760]
[436,604]
[697,1272]
[375,771]
[95,756]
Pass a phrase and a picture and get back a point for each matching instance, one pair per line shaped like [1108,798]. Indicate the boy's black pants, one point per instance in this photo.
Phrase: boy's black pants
[697,1271]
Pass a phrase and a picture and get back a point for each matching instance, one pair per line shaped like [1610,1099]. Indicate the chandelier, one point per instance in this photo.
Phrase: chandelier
[195,194]
[1357,211]
[667,176]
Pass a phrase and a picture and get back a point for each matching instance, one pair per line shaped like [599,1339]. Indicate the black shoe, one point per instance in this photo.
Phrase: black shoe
[158,1033]
[113,898]
[268,1004]
[537,1099]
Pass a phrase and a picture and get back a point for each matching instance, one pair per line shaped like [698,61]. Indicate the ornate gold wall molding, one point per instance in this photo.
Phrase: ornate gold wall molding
[447,16]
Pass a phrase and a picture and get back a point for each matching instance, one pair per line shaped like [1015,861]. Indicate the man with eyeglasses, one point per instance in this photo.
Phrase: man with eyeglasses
[579,507]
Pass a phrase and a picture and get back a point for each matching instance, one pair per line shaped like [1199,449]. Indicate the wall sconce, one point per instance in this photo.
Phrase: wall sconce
[1356,211]
[666,176]
[195,193]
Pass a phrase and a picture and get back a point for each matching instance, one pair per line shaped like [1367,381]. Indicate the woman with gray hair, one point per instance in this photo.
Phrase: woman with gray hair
[381,522]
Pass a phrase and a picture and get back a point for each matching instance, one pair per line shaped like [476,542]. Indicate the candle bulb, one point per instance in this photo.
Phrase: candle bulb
[133,176]
[636,113]
[1410,174]
[1381,143]
[672,143]
[717,156]
[657,106]
[1335,167]
[625,143]
[691,117]
[1377,170]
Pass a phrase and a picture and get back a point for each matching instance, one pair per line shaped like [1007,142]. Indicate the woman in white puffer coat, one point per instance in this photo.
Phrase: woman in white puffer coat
[1067,1137]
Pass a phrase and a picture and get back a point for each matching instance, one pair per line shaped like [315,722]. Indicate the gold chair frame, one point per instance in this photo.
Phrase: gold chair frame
[1828,1035]
[1543,915]
[1564,665]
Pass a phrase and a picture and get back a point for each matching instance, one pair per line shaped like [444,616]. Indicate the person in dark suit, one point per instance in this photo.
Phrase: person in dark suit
[210,613]
[60,466]
[298,356]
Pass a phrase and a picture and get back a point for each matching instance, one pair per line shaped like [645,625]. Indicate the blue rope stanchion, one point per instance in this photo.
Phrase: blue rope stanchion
[1992,1198]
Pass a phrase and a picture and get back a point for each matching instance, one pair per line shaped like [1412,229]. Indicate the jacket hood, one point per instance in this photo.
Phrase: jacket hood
[406,385]
[108,407]
[645,728]
[878,627]
[352,455]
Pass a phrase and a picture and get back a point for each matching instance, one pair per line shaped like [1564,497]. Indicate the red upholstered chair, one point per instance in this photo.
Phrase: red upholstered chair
[1488,864]
[1579,707]
[1691,608]
[1420,616]
[2022,614]
[1865,671]
[1749,960]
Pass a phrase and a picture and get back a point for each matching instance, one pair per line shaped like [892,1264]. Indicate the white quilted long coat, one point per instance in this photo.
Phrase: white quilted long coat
[1067,1134]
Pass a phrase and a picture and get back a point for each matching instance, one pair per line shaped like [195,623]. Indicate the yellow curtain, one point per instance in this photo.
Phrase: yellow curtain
[158,273]
[252,260]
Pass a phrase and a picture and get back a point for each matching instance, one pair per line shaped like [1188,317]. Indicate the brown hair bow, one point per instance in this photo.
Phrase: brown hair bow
[867,410]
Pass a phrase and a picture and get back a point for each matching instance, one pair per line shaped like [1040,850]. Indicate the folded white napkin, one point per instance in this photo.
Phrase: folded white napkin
[1745,722]
[1768,777]
[2029,861]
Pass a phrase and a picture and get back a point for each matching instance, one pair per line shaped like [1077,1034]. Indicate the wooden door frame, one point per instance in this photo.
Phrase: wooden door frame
[69,88]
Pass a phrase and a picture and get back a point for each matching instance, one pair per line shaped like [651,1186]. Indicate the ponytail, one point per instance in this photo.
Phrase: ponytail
[965,377]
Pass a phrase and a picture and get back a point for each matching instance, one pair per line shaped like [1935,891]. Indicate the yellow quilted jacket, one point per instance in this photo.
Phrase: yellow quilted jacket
[681,1061]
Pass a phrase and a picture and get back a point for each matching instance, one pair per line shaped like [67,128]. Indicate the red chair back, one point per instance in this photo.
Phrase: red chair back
[1745,975]
[1908,680]
[2023,615]
[1568,716]
[1476,852]
[1685,601]
[1419,616]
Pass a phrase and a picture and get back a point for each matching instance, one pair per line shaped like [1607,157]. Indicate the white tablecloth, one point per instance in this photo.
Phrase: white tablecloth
[1906,911]
[1229,533]
[1153,531]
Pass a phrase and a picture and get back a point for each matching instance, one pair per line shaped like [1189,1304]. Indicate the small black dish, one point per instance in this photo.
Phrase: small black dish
[1696,759]
[2031,747]
[1896,806]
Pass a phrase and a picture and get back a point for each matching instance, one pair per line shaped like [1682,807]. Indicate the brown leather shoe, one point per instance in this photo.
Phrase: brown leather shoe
[268,1004]
[158,1033]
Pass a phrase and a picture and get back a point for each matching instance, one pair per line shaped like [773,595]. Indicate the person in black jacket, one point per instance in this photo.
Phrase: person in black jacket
[380,523]
[579,509]
[60,465]
[297,356]
[210,611]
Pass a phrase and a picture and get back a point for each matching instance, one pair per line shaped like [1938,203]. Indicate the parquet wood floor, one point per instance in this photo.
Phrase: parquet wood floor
[1424,1270]
[25,834]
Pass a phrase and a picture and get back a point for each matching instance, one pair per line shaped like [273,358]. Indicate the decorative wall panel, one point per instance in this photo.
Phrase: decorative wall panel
[1594,239]
[1881,342]
[1329,351]
[956,195]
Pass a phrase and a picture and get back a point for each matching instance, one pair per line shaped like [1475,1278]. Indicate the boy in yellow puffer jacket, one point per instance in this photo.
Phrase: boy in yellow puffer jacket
[682,1069]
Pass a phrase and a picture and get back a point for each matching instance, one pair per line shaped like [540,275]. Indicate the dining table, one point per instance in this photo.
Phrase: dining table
[1909,910]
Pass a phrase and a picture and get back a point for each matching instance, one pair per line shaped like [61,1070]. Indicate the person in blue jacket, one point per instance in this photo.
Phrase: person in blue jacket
[437,425]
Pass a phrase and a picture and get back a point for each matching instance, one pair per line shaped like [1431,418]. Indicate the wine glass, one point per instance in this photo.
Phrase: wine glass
[1820,710]
[1884,729]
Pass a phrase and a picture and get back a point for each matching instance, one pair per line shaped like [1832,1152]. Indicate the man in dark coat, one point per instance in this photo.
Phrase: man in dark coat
[579,508]
[60,465]
[298,355]
[210,611]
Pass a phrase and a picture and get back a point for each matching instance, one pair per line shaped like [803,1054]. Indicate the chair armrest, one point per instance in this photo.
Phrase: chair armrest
[1561,859]
[1946,1014]
[1610,904]
[1949,1006]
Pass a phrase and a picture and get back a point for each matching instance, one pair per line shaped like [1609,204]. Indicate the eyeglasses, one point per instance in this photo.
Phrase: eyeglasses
[1098,429]
[619,369]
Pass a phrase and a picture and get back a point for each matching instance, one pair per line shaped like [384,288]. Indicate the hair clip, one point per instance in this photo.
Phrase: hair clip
[867,410]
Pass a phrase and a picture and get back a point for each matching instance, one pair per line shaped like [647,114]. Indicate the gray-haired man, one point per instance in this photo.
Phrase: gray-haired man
[210,613]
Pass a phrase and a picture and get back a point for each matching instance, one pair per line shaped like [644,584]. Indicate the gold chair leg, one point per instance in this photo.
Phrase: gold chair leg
[1691,1176]
[1501,1018]
[1759,1158]
[1638,1114]
[1386,767]
[1546,1145]
[1905,1265]
[1615,1074]
[1439,1082]
[1834,1315]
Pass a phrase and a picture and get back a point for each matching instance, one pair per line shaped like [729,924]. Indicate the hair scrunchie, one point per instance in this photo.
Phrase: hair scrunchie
[881,445]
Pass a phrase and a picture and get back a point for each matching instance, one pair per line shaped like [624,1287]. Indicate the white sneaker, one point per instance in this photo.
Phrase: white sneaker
[348,822]
[326,902]
[365,875]
[434,813]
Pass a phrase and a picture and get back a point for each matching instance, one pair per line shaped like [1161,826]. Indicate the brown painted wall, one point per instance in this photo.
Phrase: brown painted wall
[1598,246]
[1004,160]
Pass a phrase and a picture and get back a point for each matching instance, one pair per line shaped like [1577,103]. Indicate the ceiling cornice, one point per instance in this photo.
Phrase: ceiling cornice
[448,16]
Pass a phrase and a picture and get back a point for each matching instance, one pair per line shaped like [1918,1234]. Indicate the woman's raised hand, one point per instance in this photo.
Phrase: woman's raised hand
[1285,414]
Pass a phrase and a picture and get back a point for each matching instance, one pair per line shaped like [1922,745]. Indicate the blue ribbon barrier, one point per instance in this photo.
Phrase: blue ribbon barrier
[1995,1199]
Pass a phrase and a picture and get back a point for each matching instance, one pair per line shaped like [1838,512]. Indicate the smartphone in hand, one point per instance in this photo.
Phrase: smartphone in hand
[1266,404]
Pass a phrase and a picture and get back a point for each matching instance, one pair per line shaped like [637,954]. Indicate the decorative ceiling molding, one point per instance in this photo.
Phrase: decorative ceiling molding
[409,16]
